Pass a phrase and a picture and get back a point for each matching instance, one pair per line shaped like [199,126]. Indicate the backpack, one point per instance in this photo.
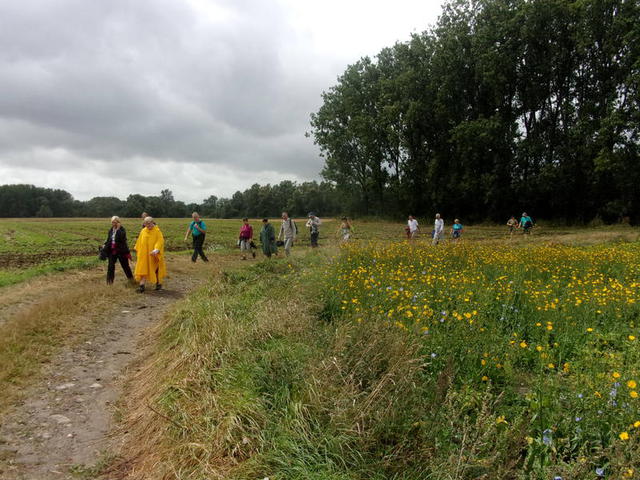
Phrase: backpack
[293,225]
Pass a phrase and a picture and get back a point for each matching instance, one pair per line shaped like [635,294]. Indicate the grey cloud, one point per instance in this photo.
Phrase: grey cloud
[117,80]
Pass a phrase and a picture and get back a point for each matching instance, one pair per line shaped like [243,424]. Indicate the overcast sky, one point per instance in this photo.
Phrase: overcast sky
[204,97]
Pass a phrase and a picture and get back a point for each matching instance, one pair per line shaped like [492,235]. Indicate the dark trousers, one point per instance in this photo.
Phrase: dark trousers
[111,267]
[314,239]
[198,241]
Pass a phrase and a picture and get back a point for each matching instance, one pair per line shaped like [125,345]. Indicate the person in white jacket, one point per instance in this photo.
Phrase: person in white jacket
[438,229]
[313,224]
[412,225]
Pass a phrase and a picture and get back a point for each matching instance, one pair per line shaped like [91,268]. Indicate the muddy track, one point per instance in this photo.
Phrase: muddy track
[22,260]
[59,430]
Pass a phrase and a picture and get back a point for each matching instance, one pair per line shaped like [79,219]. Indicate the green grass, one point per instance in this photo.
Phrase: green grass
[14,275]
[297,370]
[66,236]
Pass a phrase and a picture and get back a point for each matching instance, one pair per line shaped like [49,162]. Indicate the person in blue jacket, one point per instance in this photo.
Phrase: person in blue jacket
[198,231]
[456,230]
[526,223]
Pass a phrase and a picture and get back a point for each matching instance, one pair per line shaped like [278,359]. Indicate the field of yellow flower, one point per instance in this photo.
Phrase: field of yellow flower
[536,345]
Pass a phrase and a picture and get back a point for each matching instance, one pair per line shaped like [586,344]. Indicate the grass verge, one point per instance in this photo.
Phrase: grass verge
[257,376]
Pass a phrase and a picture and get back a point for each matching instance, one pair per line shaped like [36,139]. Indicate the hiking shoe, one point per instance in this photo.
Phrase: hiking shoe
[158,286]
[140,289]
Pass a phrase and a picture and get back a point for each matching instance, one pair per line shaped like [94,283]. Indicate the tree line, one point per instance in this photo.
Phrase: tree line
[256,202]
[503,106]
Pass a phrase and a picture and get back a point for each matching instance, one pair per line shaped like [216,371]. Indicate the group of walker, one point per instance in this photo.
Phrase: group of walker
[412,229]
[287,234]
[150,266]
[525,223]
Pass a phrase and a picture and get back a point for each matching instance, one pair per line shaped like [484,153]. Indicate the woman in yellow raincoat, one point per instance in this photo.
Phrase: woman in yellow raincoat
[149,248]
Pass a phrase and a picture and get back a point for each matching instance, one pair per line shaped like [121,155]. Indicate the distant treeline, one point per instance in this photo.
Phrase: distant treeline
[504,106]
[257,201]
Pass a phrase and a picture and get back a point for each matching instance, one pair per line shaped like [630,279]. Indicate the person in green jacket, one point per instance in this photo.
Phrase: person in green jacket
[268,238]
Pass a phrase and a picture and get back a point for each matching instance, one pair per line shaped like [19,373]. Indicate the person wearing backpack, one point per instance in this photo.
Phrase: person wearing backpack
[246,238]
[313,224]
[288,231]
[198,231]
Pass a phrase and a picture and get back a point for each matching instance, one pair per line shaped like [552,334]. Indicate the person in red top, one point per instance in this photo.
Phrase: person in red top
[246,238]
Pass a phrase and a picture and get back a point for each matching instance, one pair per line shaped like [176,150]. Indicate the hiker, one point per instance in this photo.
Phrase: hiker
[345,230]
[144,215]
[412,226]
[438,229]
[198,231]
[288,231]
[268,238]
[246,239]
[117,249]
[150,265]
[525,223]
[456,230]
[512,223]
[313,225]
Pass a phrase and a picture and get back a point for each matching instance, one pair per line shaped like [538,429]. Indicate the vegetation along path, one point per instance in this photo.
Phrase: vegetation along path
[67,342]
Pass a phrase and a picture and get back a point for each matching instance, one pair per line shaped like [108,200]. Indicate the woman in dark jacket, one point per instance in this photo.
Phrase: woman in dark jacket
[117,250]
[268,239]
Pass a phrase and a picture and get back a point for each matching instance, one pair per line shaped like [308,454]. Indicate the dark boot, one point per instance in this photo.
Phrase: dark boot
[140,289]
[158,286]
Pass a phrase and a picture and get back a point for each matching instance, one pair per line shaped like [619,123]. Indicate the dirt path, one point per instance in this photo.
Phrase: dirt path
[60,428]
